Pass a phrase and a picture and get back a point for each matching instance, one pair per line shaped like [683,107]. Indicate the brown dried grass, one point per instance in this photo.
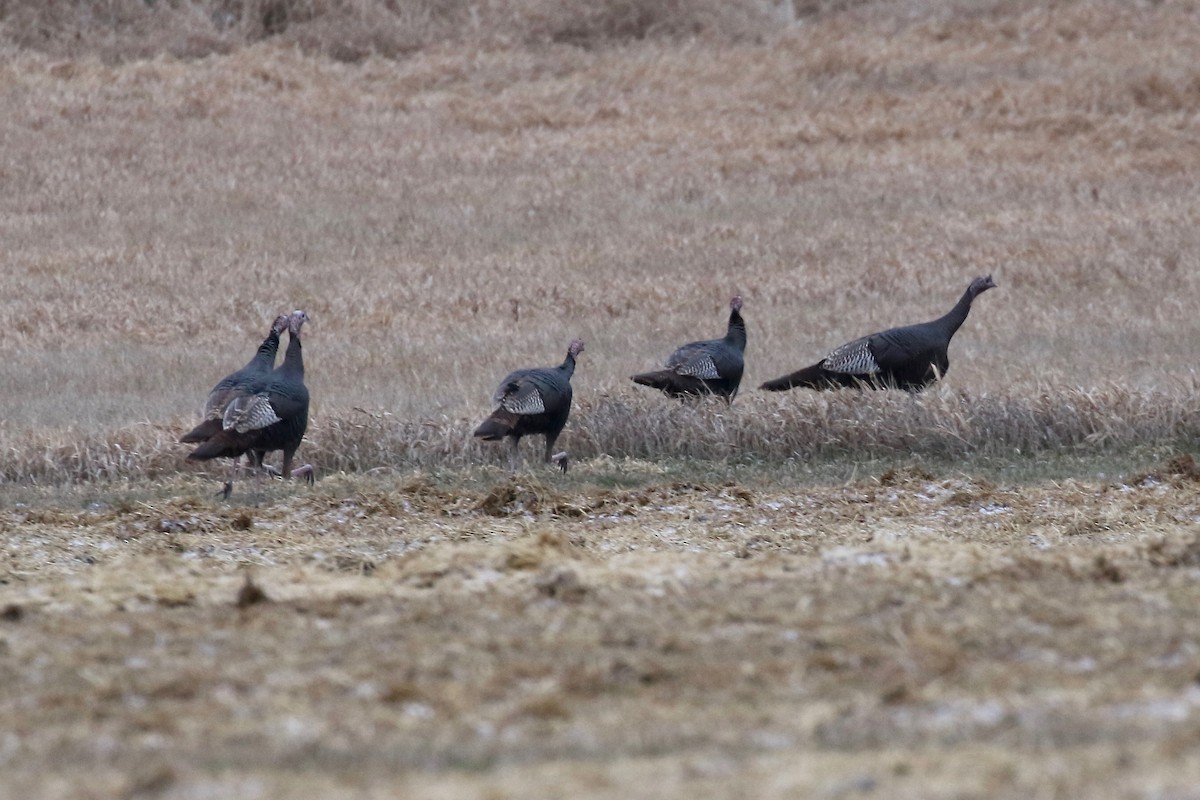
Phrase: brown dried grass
[803,427]
[352,30]
[692,611]
[469,208]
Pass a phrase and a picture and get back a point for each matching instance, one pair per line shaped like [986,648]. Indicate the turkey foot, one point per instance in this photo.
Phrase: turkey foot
[307,473]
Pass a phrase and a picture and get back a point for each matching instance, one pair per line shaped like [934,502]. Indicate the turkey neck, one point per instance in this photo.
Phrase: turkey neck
[568,365]
[958,314]
[293,359]
[264,359]
[736,335]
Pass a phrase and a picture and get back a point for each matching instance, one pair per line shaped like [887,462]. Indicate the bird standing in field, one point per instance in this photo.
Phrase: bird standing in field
[233,383]
[910,358]
[709,367]
[288,437]
[269,413]
[533,401]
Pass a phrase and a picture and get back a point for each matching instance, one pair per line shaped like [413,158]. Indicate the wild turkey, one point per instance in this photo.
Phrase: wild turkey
[533,401]
[909,358]
[710,367]
[269,414]
[288,438]
[235,382]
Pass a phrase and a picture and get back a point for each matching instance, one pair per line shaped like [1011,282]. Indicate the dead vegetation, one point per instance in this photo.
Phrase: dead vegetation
[807,595]
[450,215]
[459,638]
[803,426]
[353,30]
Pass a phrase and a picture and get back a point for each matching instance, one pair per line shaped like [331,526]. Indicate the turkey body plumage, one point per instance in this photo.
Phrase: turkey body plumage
[714,366]
[533,401]
[268,413]
[236,382]
[910,357]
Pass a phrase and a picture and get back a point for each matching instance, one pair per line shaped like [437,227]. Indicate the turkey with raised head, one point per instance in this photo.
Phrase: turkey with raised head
[533,401]
[235,382]
[710,367]
[269,414]
[288,438]
[909,358]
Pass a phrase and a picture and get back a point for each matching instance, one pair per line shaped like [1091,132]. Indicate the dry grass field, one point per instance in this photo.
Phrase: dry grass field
[988,590]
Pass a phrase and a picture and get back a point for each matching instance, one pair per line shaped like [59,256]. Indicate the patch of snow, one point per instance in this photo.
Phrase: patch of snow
[10,745]
[953,715]
[1169,709]
[482,579]
[299,729]
[417,710]
[857,558]
[1180,657]
[367,690]
[772,740]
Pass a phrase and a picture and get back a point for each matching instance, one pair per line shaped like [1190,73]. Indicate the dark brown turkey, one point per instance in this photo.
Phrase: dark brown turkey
[268,413]
[714,366]
[909,358]
[532,401]
[235,382]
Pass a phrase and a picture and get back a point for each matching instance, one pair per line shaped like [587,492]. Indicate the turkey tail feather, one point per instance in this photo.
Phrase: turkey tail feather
[202,432]
[813,377]
[662,379]
[213,448]
[225,444]
[497,426]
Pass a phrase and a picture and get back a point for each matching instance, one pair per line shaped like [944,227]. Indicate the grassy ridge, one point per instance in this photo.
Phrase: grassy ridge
[842,426]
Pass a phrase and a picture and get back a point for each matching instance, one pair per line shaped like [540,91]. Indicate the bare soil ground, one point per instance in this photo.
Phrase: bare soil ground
[907,635]
[986,591]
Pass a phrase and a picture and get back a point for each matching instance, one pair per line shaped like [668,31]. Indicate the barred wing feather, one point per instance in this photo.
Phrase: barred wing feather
[700,366]
[521,396]
[852,358]
[249,413]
